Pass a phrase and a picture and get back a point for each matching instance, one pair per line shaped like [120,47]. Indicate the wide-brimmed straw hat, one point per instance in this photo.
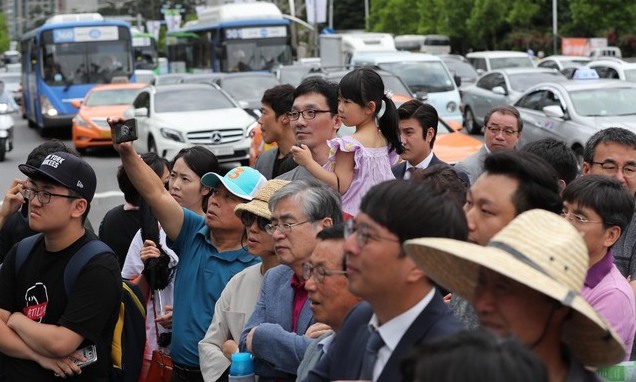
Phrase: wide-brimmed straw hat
[540,250]
[258,204]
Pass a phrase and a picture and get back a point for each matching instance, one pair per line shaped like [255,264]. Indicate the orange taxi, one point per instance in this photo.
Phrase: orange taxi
[89,127]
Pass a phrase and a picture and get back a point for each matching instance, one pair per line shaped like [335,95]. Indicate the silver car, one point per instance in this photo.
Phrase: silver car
[500,87]
[573,111]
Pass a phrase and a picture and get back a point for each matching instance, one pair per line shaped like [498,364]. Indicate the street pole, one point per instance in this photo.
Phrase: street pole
[366,15]
[294,30]
[554,27]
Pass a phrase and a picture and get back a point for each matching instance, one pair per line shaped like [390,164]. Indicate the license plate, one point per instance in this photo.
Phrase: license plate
[218,151]
[105,133]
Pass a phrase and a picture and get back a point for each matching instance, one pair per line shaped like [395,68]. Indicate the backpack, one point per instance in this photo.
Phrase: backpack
[129,336]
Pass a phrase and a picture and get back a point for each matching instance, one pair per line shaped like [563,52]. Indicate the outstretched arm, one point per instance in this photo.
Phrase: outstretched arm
[167,210]
[340,180]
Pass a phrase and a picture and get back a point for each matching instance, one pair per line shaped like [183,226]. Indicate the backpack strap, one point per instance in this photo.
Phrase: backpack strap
[25,246]
[80,259]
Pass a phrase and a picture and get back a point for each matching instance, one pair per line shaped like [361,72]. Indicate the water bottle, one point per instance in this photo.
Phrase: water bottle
[242,368]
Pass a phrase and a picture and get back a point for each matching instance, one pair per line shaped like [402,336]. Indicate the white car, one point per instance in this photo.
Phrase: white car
[172,117]
[615,69]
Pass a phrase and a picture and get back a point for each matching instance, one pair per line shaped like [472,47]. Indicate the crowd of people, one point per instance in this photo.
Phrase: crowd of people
[332,259]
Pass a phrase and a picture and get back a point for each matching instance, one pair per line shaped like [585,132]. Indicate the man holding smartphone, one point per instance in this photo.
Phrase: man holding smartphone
[45,329]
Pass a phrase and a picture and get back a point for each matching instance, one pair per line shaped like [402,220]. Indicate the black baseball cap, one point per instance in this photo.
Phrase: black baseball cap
[66,169]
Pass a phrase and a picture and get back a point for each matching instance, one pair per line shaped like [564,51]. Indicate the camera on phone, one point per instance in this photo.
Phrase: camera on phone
[125,131]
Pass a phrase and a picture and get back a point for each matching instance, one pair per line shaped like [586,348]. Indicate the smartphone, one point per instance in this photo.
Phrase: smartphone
[125,131]
[90,353]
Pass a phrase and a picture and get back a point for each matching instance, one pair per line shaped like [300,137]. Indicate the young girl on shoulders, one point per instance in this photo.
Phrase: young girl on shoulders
[358,162]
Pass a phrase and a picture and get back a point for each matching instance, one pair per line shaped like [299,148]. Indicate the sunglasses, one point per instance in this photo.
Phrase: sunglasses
[248,218]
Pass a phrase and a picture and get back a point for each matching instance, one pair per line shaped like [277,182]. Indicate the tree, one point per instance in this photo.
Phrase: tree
[4,33]
[596,18]
[348,14]
[487,23]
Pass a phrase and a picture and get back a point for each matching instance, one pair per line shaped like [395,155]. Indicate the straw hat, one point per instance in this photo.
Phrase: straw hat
[258,204]
[540,250]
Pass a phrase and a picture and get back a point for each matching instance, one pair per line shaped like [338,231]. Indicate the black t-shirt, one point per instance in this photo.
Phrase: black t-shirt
[284,164]
[90,310]
[118,228]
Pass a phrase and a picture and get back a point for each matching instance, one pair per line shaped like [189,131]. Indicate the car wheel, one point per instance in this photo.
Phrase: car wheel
[470,122]
[82,151]
[152,146]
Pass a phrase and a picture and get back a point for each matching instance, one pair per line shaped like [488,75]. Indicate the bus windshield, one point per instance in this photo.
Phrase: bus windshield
[85,62]
[145,52]
[242,55]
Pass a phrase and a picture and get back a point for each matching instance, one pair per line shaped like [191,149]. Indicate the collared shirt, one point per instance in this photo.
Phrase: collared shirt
[597,272]
[300,297]
[393,330]
[423,164]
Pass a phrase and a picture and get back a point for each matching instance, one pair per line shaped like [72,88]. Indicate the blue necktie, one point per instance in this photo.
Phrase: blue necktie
[374,344]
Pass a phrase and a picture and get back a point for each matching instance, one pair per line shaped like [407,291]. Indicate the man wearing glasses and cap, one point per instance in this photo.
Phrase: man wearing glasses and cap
[210,249]
[526,282]
[502,131]
[41,324]
[280,329]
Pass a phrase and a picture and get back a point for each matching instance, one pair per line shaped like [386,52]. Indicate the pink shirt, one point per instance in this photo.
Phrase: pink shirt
[611,295]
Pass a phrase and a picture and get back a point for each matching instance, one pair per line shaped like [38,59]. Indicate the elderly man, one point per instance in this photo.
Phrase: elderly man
[326,283]
[402,306]
[312,126]
[502,131]
[527,283]
[279,331]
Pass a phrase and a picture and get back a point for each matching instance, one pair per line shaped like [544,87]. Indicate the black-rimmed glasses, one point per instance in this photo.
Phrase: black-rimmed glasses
[611,169]
[319,273]
[43,196]
[282,228]
[307,114]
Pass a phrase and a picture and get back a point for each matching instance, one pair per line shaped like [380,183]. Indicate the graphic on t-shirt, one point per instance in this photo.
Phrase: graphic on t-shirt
[36,298]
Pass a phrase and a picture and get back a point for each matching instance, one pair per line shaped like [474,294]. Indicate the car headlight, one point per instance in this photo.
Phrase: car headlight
[47,107]
[249,132]
[79,121]
[172,134]
[451,106]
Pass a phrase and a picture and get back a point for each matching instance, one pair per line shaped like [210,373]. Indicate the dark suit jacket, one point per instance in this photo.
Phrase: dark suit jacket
[343,361]
[400,168]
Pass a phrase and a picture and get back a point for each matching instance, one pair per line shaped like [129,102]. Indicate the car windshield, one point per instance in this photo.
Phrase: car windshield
[293,75]
[600,102]
[394,85]
[462,69]
[111,97]
[510,62]
[522,81]
[428,76]
[246,87]
[630,75]
[184,100]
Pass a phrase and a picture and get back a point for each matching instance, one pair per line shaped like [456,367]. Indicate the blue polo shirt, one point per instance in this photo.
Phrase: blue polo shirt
[201,276]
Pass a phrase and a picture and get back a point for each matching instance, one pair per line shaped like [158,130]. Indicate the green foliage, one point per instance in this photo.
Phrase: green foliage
[4,34]
[348,14]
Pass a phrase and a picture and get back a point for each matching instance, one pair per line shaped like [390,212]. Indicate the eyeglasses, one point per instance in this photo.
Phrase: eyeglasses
[506,132]
[248,218]
[362,235]
[577,219]
[282,228]
[307,114]
[319,272]
[43,196]
[609,168]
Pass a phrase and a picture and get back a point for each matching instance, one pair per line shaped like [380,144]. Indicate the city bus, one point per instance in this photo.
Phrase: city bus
[146,52]
[64,58]
[233,37]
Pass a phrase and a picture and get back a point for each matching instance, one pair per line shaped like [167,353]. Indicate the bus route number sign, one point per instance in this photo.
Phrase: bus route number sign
[255,33]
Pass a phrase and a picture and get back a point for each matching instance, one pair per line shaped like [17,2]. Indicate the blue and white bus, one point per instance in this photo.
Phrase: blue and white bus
[232,38]
[64,58]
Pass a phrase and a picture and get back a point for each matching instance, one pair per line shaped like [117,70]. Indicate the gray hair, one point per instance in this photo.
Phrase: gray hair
[317,200]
